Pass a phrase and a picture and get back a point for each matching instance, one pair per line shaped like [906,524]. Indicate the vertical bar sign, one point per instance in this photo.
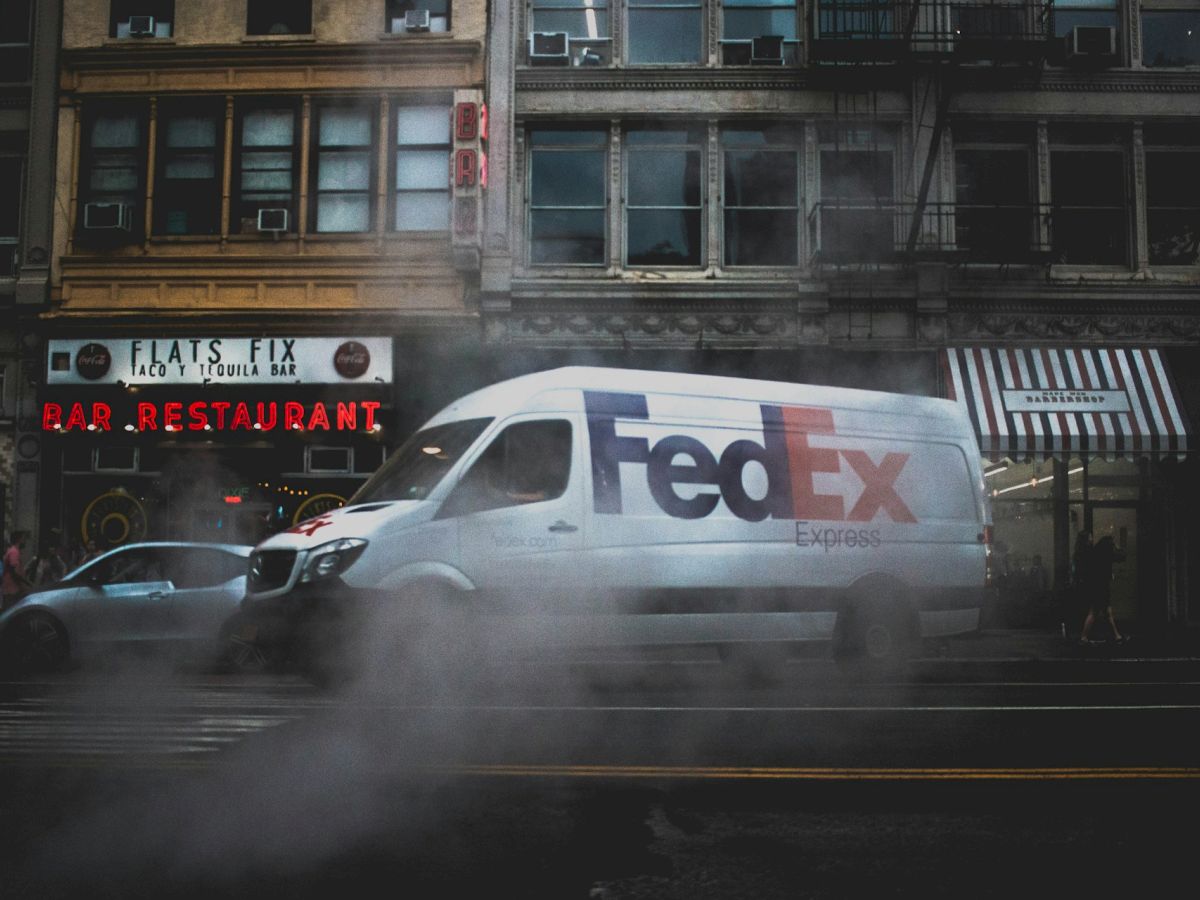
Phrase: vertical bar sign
[468,175]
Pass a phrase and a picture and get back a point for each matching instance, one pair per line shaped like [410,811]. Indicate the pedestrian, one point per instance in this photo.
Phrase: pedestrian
[89,553]
[1098,587]
[14,585]
[51,566]
[1080,560]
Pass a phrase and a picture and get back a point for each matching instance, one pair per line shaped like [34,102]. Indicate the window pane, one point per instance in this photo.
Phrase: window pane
[746,23]
[191,132]
[344,171]
[567,178]
[1065,20]
[115,175]
[992,176]
[664,178]
[422,169]
[567,236]
[664,35]
[343,212]
[1089,237]
[857,234]
[856,174]
[760,178]
[760,238]
[580,24]
[1173,179]
[664,237]
[267,128]
[1174,236]
[115,131]
[344,128]
[422,125]
[191,165]
[1171,38]
[589,137]
[1080,178]
[423,211]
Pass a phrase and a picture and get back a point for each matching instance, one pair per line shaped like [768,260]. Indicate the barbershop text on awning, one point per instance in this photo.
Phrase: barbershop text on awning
[1042,403]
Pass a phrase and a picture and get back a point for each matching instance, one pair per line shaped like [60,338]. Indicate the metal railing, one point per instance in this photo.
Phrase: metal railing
[857,231]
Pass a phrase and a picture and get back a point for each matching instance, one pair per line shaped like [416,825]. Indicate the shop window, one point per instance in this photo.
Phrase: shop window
[141,18]
[279,17]
[10,212]
[343,168]
[422,179]
[1173,201]
[585,22]
[417,16]
[16,38]
[1089,217]
[528,462]
[857,208]
[665,32]
[265,177]
[567,196]
[1170,36]
[187,192]
[663,185]
[328,459]
[761,197]
[994,215]
[112,175]
[760,32]
[115,459]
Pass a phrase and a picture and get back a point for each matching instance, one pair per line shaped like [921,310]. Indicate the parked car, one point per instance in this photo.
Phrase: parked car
[177,596]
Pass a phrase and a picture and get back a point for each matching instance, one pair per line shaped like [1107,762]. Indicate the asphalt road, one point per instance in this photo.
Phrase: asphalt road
[607,781]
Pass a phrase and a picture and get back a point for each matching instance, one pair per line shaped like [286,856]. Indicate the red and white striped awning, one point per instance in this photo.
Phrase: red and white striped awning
[1044,403]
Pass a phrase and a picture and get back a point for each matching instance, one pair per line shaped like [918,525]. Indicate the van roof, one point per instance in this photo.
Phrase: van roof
[514,394]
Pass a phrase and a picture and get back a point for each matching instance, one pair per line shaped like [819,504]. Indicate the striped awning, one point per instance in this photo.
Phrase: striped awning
[1043,403]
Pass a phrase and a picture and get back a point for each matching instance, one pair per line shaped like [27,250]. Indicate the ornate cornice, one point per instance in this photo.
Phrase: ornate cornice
[1097,325]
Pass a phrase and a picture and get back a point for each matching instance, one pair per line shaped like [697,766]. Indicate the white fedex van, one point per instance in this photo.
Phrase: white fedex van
[661,508]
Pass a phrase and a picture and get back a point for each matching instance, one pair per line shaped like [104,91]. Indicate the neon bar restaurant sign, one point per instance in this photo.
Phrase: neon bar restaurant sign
[215,415]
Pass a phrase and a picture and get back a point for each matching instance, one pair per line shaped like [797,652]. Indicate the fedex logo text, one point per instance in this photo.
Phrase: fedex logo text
[784,454]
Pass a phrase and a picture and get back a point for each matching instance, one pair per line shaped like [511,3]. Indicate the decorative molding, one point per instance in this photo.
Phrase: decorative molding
[682,328]
[1097,326]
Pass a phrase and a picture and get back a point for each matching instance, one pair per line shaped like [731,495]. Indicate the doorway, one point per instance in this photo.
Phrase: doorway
[1120,522]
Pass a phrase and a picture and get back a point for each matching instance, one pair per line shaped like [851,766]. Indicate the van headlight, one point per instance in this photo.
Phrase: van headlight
[332,559]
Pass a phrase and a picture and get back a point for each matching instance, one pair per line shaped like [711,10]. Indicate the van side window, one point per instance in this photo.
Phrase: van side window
[528,462]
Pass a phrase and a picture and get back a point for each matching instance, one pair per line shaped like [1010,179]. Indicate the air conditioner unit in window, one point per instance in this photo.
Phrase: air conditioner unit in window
[766,50]
[549,48]
[141,26]
[1097,43]
[416,20]
[107,216]
[272,220]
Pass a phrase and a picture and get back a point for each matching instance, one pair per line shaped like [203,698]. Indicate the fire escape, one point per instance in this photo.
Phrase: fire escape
[873,209]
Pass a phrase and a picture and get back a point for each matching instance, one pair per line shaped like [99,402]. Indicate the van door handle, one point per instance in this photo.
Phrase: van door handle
[155,595]
[561,527]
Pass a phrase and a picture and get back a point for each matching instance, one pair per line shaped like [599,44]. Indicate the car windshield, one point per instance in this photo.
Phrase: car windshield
[421,462]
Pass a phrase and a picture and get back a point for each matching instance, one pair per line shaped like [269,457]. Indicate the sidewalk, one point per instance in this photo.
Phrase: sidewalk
[1039,644]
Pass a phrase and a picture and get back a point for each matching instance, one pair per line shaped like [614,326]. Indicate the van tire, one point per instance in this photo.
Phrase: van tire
[756,664]
[874,636]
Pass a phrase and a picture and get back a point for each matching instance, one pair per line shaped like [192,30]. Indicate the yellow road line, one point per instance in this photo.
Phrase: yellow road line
[752,773]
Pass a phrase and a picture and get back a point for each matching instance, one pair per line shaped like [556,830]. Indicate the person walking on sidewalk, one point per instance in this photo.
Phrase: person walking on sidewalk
[1098,574]
[1076,600]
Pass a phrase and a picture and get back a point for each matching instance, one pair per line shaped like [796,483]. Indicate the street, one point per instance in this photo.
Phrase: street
[670,779]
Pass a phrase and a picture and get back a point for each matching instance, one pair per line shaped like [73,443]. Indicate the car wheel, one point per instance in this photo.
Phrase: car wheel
[36,643]
[873,637]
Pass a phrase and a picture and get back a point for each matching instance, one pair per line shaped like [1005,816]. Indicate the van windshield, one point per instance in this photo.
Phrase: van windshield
[421,462]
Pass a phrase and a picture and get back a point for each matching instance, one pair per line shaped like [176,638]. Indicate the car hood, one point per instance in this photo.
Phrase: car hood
[361,521]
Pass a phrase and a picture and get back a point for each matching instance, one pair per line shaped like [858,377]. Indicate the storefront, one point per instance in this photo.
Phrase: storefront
[216,438]
[1080,439]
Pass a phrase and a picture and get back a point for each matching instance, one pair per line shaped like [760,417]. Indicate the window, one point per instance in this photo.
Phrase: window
[187,194]
[1088,187]
[141,18]
[193,568]
[266,160]
[1070,14]
[584,21]
[567,196]
[279,17]
[1170,36]
[10,214]
[995,217]
[857,208]
[856,20]
[761,198]
[421,462]
[665,31]
[746,20]
[113,172]
[16,36]
[662,192]
[343,171]
[528,462]
[422,154]
[439,14]
[1173,196]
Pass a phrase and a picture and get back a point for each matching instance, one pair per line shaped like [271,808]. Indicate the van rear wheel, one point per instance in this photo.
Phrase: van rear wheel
[873,636]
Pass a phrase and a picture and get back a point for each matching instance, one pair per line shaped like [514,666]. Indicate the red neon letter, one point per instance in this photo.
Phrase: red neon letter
[369,407]
[466,122]
[51,416]
[75,417]
[102,416]
[319,418]
[146,417]
[221,407]
[265,423]
[172,416]
[241,417]
[347,416]
[465,168]
[293,415]
[198,415]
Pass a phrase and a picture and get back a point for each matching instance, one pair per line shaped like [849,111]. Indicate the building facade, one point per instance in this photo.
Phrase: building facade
[258,251]
[883,195]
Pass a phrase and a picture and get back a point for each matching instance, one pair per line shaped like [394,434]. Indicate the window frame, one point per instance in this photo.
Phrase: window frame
[791,46]
[258,11]
[10,243]
[395,148]
[1160,8]
[213,109]
[1164,148]
[395,9]
[237,203]
[1067,144]
[700,8]
[1014,142]
[21,50]
[605,150]
[120,12]
[700,147]
[795,146]
[884,138]
[316,149]
[89,164]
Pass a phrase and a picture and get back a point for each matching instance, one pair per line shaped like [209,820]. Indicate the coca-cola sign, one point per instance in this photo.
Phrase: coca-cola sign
[93,361]
[351,360]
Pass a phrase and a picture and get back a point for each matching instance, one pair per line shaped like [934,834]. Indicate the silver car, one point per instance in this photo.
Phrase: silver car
[174,595]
